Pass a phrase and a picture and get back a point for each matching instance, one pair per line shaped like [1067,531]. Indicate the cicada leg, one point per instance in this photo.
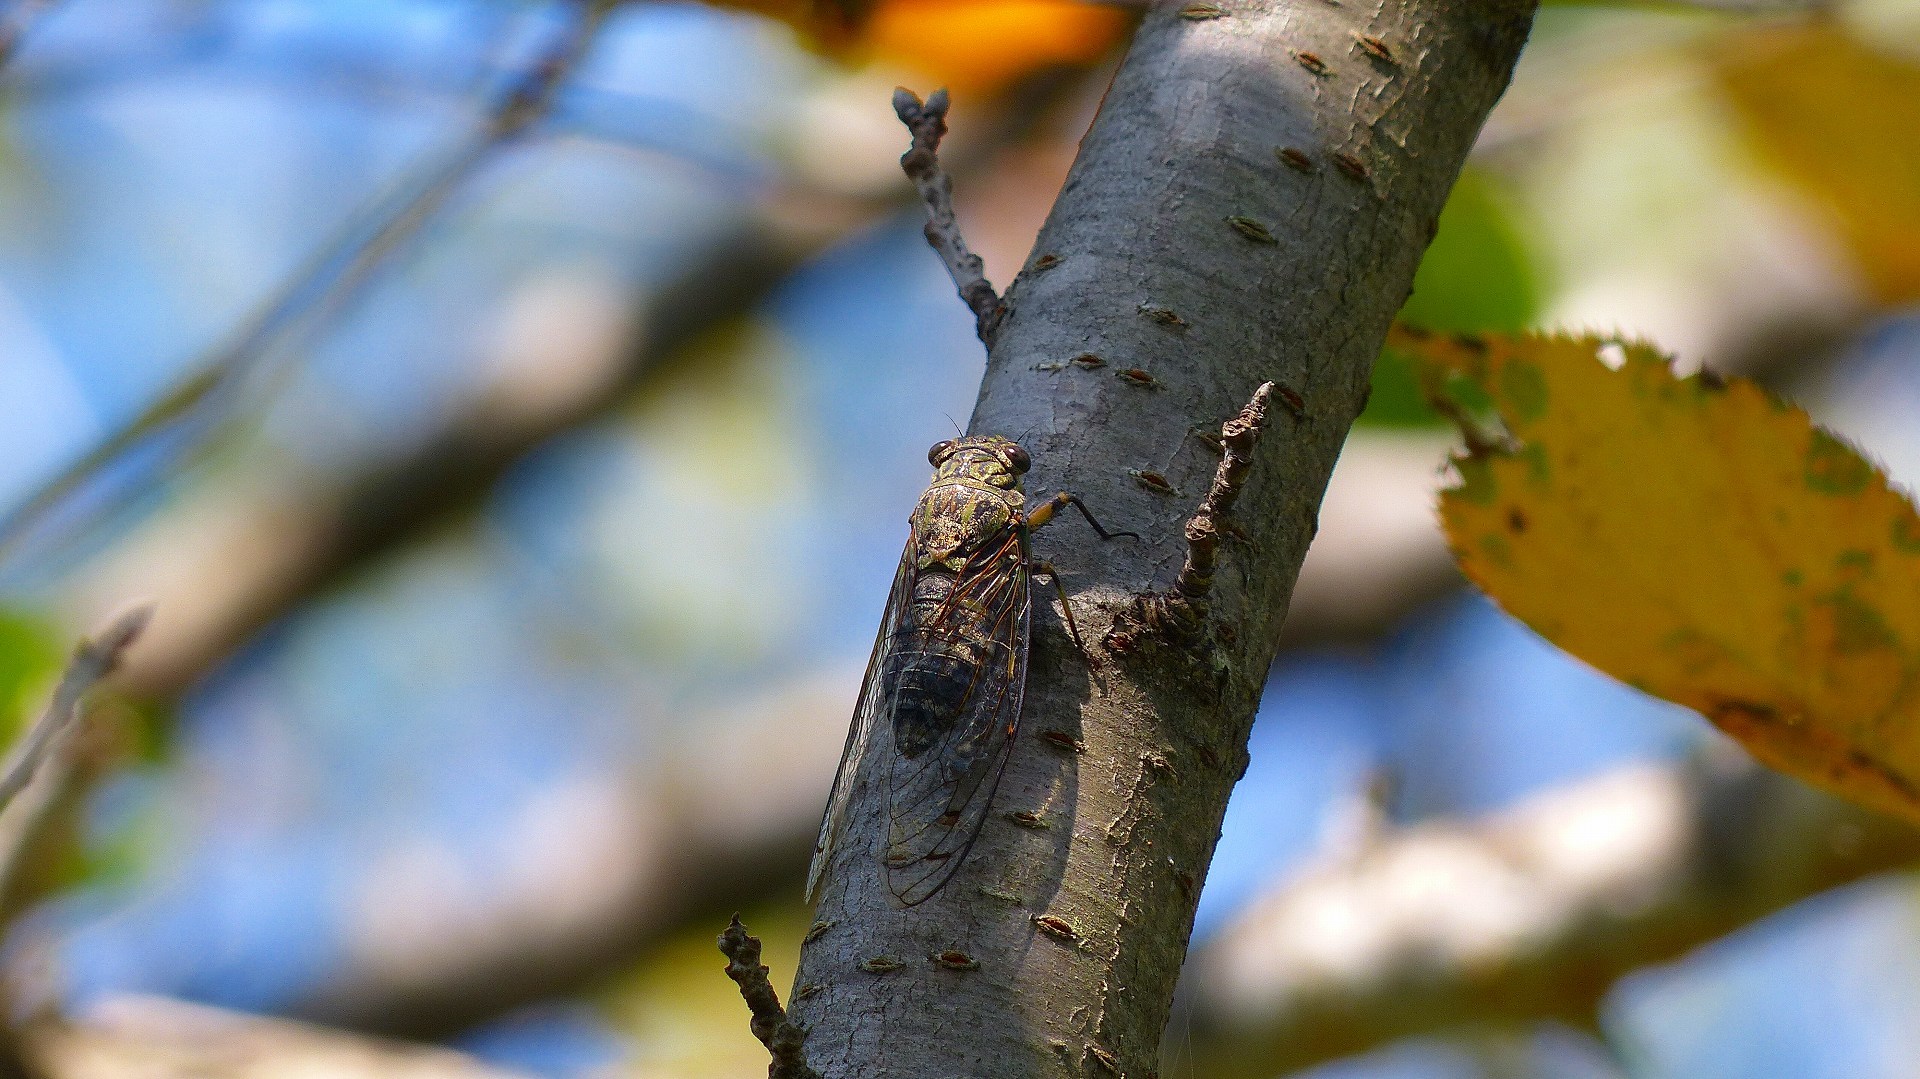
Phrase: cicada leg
[1040,516]
[1052,506]
[1045,569]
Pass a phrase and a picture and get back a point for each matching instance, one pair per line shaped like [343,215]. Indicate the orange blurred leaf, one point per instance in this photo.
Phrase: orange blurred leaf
[1696,538]
[975,48]
[983,46]
[1837,118]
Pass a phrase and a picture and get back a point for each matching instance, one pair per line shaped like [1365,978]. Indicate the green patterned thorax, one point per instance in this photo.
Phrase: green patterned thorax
[973,498]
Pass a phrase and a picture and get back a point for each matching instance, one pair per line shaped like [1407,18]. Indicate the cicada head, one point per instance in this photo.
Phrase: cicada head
[989,459]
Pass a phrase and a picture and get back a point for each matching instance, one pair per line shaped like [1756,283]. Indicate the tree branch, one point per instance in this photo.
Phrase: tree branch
[770,1023]
[1182,249]
[681,840]
[1398,936]
[921,163]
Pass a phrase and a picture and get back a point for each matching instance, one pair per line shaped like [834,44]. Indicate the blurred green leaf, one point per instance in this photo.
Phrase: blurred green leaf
[1478,274]
[30,660]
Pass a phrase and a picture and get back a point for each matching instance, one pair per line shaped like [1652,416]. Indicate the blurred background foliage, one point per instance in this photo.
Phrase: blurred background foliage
[512,408]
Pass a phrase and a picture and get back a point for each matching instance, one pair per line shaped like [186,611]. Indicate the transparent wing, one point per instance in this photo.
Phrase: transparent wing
[859,734]
[938,800]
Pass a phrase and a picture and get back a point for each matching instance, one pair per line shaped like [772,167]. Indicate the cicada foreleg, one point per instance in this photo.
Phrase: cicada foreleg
[1052,506]
[1039,517]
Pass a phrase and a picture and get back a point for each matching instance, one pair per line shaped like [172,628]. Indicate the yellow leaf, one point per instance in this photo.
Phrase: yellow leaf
[1696,538]
[1837,118]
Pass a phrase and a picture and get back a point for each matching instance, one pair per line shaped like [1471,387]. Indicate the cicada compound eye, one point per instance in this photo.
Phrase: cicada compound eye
[940,451]
[1017,457]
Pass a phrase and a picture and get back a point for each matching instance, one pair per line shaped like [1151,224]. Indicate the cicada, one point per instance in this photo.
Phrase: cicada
[941,699]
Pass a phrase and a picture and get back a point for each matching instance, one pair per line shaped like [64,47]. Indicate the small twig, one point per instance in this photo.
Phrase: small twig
[323,286]
[1181,612]
[92,661]
[928,123]
[782,1037]
[1237,437]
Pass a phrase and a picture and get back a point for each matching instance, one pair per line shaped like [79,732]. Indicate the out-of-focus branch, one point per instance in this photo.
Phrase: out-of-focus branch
[649,854]
[28,820]
[1527,915]
[155,1038]
[229,559]
[318,290]
[92,661]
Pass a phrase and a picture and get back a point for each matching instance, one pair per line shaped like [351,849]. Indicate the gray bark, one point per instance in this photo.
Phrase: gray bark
[1186,246]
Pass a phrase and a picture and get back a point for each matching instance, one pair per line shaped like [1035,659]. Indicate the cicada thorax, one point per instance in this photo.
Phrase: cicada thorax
[951,635]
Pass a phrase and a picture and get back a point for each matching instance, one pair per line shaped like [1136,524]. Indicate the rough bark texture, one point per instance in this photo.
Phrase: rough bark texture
[1249,206]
